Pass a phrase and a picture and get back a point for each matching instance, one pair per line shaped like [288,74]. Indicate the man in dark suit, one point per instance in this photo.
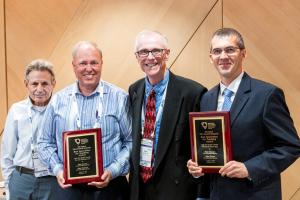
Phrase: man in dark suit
[158,162]
[263,137]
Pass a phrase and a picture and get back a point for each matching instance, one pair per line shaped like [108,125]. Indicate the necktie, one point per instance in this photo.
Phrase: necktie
[227,99]
[150,117]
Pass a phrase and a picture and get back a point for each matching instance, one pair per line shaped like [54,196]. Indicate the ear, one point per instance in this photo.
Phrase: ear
[244,53]
[167,54]
[211,59]
[25,82]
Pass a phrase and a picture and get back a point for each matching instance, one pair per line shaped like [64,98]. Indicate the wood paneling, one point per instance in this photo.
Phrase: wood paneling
[271,30]
[114,25]
[33,28]
[194,62]
[3,102]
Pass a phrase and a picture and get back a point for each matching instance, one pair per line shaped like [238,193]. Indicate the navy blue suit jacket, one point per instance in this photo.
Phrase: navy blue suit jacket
[263,137]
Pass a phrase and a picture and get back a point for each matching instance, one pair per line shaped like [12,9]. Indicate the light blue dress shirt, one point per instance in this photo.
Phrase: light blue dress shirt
[20,133]
[159,89]
[115,125]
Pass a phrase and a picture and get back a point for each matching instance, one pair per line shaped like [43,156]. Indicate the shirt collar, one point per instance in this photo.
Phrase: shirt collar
[96,91]
[160,87]
[233,86]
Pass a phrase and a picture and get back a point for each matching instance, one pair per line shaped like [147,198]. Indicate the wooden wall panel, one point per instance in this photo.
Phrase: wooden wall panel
[114,25]
[194,60]
[3,99]
[33,28]
[271,29]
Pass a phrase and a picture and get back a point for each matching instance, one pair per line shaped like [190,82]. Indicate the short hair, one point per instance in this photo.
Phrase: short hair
[225,32]
[40,65]
[147,33]
[81,43]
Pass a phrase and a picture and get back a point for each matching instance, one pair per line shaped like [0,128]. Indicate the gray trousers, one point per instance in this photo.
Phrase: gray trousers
[27,187]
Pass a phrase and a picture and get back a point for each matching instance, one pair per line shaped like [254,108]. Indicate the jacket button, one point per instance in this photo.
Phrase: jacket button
[176,182]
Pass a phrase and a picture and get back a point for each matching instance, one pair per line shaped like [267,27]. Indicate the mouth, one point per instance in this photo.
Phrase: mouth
[89,76]
[150,65]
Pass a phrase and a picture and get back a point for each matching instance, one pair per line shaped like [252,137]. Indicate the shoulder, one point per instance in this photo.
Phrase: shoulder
[137,84]
[109,87]
[186,84]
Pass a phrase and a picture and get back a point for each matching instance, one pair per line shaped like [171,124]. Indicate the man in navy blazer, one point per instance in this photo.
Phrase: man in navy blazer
[263,137]
[165,154]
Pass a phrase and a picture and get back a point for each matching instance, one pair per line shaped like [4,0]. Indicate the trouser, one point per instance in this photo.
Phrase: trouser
[24,186]
[117,189]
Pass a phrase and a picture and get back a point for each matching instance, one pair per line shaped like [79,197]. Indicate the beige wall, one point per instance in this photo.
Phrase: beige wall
[49,29]
[3,99]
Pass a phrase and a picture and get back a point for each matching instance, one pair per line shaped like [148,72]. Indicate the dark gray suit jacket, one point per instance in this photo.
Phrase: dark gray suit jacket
[170,179]
[263,138]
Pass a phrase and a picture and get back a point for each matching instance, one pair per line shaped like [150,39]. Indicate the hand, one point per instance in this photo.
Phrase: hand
[61,180]
[234,169]
[194,169]
[106,178]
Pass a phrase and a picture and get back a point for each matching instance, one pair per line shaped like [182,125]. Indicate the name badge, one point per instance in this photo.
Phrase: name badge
[40,169]
[146,152]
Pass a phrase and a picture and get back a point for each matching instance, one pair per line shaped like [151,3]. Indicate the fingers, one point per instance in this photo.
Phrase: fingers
[61,180]
[106,178]
[194,169]
[234,169]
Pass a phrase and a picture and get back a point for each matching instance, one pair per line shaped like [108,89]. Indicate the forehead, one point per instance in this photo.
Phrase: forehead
[150,41]
[223,41]
[87,51]
[39,76]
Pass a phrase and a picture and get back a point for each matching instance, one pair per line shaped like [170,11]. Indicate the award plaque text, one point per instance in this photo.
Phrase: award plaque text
[210,139]
[82,156]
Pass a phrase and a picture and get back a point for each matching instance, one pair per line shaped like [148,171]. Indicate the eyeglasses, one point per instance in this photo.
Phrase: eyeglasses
[86,64]
[227,50]
[144,53]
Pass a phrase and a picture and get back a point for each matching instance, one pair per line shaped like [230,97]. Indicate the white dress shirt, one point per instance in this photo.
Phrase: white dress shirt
[19,136]
[233,86]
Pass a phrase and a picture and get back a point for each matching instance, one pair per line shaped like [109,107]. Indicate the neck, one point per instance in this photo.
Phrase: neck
[156,79]
[86,91]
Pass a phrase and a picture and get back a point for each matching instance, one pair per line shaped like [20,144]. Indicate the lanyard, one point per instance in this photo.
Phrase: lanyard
[74,111]
[159,112]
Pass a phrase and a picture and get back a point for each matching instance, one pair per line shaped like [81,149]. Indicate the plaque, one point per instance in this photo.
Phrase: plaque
[82,151]
[210,139]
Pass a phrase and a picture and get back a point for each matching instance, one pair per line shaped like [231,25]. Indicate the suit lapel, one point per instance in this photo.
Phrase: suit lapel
[137,103]
[212,102]
[241,97]
[168,124]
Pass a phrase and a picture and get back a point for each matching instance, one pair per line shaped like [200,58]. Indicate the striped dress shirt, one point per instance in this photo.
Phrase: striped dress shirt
[115,123]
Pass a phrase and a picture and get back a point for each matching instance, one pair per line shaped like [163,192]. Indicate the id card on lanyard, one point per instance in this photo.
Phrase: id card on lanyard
[147,144]
[40,169]
[74,116]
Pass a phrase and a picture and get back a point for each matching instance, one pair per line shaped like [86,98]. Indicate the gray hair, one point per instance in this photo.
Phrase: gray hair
[81,43]
[40,65]
[225,32]
[148,33]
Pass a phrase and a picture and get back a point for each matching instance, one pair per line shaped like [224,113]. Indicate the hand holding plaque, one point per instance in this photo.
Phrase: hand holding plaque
[82,156]
[210,139]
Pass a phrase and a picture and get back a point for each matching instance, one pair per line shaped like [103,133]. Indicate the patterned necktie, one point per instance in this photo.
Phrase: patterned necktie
[150,117]
[227,99]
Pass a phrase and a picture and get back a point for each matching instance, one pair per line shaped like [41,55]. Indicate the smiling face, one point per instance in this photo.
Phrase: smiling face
[157,54]
[87,65]
[40,85]
[229,63]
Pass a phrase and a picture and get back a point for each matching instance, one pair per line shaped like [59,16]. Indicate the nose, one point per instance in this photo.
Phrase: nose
[150,55]
[39,87]
[223,55]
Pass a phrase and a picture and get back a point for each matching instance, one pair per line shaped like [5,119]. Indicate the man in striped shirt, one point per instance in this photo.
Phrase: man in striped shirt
[89,103]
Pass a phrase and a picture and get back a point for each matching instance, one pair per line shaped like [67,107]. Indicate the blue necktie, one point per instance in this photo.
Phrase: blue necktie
[227,99]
